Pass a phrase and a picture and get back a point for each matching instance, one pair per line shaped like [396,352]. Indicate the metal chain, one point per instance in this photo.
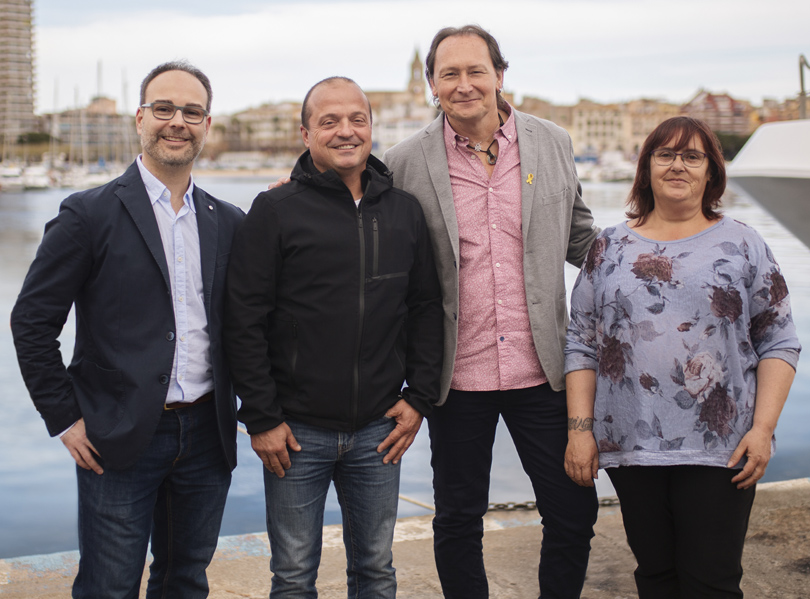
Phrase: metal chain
[512,506]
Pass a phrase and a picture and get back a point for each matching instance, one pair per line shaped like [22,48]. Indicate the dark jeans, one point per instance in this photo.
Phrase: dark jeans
[686,526]
[175,493]
[462,432]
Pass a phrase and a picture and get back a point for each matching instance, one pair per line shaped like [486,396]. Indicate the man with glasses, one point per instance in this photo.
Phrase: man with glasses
[146,406]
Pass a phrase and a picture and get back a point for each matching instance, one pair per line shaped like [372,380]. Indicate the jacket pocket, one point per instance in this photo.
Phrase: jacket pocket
[555,198]
[100,393]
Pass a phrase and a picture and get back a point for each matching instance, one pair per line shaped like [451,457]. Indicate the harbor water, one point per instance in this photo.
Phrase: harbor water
[37,475]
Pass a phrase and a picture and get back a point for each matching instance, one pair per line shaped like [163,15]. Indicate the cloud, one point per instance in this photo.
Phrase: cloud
[272,51]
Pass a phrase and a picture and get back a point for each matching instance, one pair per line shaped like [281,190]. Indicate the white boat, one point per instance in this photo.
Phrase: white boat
[773,168]
[36,177]
[11,178]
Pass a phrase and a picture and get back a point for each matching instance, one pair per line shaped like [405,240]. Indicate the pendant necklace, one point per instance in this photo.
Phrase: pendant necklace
[491,158]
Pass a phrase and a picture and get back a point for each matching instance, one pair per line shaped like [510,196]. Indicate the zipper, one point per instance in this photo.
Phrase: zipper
[294,359]
[376,258]
[361,316]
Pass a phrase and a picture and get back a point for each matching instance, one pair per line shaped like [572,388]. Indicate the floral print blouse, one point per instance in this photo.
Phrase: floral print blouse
[674,331]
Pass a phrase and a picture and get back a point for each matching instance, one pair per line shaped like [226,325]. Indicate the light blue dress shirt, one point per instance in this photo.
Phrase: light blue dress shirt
[192,373]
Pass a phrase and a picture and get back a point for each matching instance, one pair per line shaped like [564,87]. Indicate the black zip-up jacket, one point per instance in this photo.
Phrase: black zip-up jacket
[330,307]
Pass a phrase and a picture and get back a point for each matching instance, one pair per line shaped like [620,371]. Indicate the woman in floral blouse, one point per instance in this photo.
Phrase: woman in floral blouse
[681,352]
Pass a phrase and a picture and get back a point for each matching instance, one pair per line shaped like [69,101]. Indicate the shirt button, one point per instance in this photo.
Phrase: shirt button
[183,338]
[180,259]
[180,378]
[501,338]
[500,302]
[180,299]
[490,189]
[497,265]
[494,226]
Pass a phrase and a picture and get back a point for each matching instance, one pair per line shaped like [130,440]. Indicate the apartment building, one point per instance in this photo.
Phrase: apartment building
[16,72]
[723,113]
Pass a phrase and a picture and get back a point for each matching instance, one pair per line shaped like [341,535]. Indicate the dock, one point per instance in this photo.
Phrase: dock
[776,559]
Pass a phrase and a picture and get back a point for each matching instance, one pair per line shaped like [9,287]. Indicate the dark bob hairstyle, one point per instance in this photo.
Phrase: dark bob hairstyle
[676,133]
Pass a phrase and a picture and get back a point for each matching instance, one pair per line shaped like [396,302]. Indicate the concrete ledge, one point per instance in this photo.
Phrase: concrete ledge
[776,559]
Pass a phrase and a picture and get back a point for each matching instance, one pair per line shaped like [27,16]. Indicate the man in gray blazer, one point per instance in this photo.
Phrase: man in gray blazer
[503,205]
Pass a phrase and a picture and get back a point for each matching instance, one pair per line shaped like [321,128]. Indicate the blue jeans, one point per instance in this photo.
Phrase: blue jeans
[367,491]
[462,432]
[174,494]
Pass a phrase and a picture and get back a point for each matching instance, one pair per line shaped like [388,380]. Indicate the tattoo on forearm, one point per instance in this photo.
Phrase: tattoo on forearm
[580,424]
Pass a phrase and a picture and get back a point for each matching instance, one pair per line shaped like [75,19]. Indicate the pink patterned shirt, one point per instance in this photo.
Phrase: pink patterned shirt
[495,347]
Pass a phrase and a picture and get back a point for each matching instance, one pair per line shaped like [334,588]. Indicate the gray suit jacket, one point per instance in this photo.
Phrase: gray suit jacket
[557,227]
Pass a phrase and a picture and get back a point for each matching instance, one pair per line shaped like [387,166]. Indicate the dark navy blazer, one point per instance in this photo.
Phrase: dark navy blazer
[103,253]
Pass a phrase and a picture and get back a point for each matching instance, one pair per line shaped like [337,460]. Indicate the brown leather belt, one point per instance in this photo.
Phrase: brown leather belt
[176,405]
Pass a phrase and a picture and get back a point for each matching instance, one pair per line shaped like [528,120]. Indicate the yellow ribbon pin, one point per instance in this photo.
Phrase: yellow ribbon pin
[530,179]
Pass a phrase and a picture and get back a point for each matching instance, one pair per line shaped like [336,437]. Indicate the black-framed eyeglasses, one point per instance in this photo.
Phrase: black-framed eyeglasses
[690,158]
[165,111]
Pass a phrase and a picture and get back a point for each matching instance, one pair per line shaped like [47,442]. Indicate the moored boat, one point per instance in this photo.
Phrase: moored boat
[773,168]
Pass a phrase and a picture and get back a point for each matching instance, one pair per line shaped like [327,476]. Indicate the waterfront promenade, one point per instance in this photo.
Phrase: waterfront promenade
[776,560]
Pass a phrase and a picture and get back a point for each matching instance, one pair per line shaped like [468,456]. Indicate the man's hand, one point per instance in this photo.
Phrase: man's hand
[756,446]
[80,447]
[582,458]
[279,182]
[399,440]
[271,447]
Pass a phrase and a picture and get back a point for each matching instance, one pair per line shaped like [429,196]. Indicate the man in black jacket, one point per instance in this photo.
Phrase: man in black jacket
[333,302]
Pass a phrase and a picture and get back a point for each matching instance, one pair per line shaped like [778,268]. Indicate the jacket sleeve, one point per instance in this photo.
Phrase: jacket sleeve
[425,329]
[54,280]
[583,231]
[253,270]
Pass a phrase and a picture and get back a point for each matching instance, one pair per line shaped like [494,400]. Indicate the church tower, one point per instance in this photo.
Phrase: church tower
[417,83]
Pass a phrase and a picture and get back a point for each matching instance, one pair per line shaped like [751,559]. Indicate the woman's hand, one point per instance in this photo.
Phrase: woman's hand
[774,377]
[756,446]
[581,457]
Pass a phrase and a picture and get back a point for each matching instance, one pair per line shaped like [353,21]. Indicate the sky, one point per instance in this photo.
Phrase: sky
[256,52]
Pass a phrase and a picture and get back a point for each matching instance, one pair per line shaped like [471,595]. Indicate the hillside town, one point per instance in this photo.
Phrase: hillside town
[77,147]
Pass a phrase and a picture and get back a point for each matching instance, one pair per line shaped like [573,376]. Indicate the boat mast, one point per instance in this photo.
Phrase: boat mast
[802,95]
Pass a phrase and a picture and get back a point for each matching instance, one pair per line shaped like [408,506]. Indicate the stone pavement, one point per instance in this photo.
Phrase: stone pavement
[776,559]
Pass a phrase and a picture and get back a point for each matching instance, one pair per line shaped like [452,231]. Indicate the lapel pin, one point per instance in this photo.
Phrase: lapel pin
[530,179]
[210,207]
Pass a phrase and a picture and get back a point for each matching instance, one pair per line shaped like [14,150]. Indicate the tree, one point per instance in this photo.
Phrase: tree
[731,143]
[33,137]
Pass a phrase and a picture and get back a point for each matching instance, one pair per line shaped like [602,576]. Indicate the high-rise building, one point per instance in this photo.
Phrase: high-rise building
[16,71]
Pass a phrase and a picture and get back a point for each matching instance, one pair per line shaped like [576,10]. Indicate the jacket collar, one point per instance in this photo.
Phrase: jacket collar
[377,178]
[130,190]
